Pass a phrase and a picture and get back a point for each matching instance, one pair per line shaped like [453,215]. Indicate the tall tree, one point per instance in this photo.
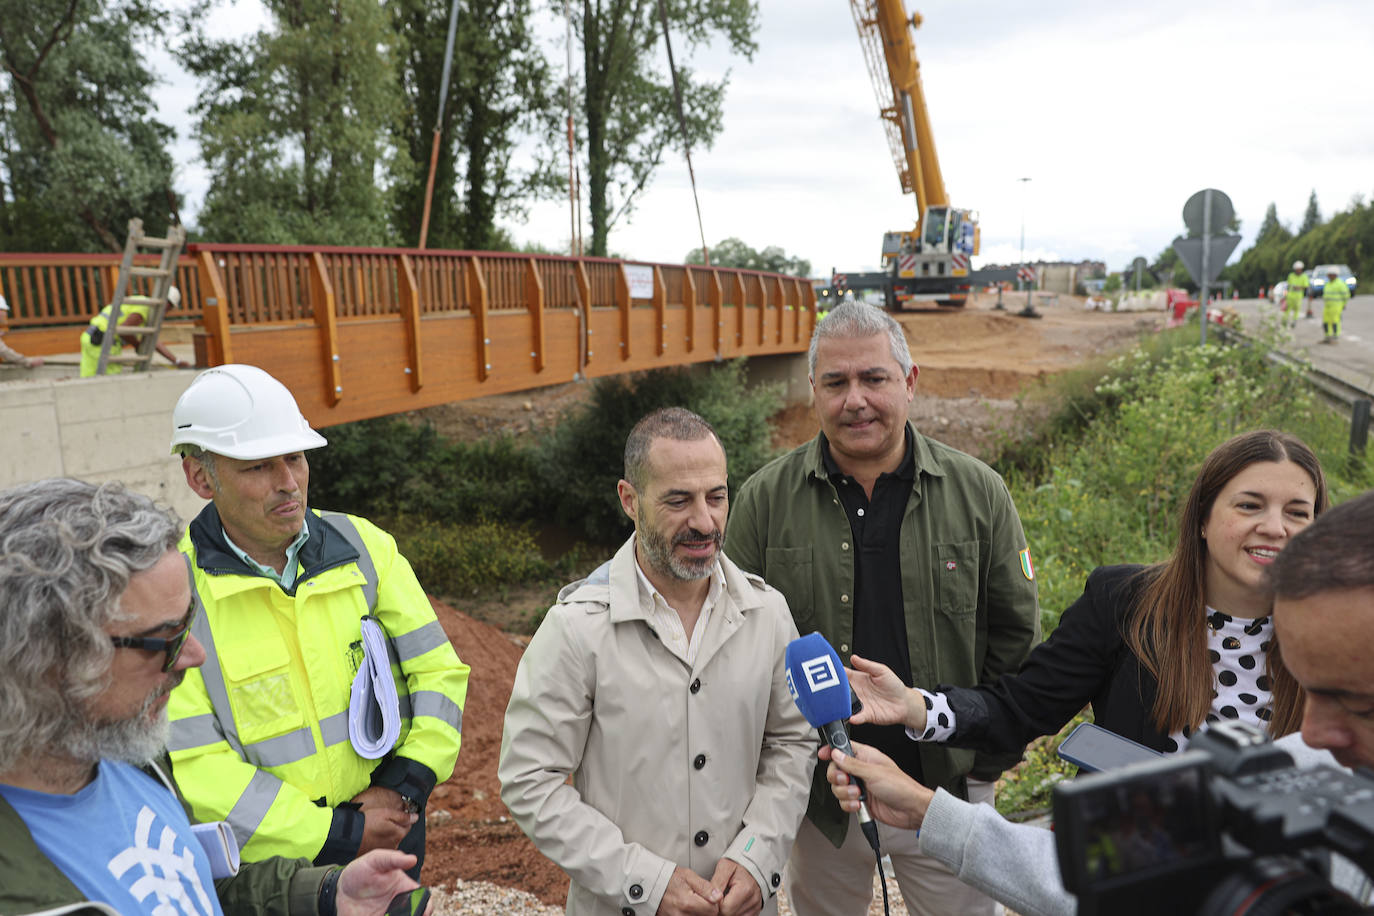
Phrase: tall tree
[733,252]
[294,123]
[500,93]
[1313,217]
[628,110]
[80,151]
[1271,228]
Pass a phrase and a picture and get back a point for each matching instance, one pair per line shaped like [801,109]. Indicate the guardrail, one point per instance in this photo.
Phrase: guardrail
[1335,390]
[363,332]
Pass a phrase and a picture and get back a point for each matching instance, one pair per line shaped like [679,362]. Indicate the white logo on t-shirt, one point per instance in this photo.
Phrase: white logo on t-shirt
[167,875]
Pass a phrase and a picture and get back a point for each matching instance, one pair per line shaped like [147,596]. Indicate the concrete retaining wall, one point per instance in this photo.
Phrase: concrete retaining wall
[97,429]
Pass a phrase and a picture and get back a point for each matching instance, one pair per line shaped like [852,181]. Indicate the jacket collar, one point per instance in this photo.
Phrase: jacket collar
[925,458]
[323,550]
[615,584]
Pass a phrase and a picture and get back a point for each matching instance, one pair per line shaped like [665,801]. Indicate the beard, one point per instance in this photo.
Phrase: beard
[137,740]
[658,550]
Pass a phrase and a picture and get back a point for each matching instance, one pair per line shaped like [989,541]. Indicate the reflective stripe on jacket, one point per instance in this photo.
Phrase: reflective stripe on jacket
[1335,292]
[260,731]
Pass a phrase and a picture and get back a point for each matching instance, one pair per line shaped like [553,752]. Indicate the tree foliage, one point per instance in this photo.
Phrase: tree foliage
[629,117]
[501,91]
[1346,238]
[733,252]
[1271,228]
[1312,217]
[80,150]
[294,123]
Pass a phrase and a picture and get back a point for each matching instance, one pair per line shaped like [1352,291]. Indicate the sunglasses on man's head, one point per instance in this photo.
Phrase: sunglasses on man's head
[172,645]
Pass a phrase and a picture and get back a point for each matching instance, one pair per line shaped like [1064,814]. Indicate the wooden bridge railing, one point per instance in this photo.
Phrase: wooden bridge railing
[363,332]
[52,297]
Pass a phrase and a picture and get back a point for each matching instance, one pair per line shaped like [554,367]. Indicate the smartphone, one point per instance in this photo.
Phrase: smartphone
[1092,748]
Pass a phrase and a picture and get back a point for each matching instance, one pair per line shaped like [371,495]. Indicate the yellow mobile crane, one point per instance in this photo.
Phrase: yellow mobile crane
[932,260]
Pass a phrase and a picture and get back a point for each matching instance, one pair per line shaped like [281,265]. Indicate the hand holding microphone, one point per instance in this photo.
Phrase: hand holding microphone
[820,688]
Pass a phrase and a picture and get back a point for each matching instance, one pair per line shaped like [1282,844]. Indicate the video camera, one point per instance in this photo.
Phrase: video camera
[1229,826]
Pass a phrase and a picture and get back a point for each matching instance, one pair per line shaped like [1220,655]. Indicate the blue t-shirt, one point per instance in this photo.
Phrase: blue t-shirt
[122,840]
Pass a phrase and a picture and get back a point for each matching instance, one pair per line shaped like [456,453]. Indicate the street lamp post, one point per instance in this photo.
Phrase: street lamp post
[1029,311]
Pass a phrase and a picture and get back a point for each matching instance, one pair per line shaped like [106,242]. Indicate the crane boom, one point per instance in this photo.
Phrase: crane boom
[931,260]
[890,52]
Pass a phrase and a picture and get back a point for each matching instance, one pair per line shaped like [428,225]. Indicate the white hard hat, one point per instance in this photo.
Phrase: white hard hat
[1297,265]
[3,304]
[241,412]
[173,296]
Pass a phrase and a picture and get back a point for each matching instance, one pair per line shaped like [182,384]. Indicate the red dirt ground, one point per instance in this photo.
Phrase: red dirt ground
[972,364]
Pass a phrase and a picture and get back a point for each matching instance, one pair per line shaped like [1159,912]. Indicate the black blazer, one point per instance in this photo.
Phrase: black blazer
[1085,660]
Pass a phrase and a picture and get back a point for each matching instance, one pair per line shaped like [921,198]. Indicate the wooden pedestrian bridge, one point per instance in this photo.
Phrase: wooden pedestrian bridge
[365,332]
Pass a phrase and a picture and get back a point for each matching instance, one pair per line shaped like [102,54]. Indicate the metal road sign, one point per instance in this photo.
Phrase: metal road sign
[1219,248]
[1197,218]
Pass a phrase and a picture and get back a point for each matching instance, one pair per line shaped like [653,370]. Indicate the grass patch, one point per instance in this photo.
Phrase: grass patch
[1102,481]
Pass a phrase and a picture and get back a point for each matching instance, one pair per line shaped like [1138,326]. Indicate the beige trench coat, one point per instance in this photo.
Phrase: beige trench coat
[671,765]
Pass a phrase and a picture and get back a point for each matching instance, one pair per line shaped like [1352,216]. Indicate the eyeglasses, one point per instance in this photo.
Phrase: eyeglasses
[172,645]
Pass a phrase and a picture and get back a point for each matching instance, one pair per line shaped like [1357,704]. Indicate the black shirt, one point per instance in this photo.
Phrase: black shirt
[879,620]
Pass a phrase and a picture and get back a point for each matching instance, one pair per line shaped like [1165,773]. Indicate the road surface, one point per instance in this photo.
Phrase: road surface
[1351,359]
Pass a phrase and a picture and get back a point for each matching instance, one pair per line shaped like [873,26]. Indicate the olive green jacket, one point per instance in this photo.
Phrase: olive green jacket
[31,884]
[968,589]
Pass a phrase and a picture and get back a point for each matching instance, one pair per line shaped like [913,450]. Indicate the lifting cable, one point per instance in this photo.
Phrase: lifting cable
[682,123]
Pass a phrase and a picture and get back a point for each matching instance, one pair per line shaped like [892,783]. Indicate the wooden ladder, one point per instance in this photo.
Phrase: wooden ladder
[162,276]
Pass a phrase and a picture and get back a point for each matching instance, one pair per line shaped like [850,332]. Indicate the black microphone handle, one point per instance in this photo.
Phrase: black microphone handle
[837,737]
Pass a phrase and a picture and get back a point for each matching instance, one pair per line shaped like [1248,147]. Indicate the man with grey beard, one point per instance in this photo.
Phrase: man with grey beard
[94,634]
[658,684]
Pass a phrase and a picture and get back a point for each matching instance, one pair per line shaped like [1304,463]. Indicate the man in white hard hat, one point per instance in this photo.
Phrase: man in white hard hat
[130,316]
[1297,291]
[7,353]
[265,735]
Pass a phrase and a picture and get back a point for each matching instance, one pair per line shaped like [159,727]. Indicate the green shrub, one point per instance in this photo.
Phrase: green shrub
[388,466]
[1108,491]
[461,559]
[580,463]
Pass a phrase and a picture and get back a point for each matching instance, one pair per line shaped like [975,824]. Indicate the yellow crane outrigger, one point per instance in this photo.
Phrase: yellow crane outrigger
[931,260]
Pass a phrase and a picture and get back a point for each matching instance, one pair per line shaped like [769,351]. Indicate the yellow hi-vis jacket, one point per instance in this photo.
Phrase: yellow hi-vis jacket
[260,731]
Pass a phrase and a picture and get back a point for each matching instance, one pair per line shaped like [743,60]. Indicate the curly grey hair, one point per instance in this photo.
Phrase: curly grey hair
[67,552]
[858,319]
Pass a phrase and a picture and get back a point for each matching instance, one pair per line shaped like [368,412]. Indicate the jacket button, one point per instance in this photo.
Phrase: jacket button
[844,647]
[701,838]
[699,761]
[776,879]
[696,685]
[844,599]
[844,545]
[626,911]
[636,892]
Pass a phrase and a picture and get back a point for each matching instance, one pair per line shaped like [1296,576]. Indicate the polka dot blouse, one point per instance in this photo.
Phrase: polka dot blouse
[1237,647]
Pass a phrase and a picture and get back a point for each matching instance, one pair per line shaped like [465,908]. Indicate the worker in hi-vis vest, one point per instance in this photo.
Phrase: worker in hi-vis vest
[1335,294]
[1297,291]
[93,335]
[297,610]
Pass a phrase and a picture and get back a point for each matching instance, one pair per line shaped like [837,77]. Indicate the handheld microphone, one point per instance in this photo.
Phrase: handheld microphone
[820,688]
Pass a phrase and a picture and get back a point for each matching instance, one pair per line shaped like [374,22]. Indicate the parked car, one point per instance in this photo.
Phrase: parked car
[1318,278]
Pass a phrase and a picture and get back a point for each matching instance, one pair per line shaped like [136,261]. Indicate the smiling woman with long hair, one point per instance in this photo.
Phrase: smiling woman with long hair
[1158,651]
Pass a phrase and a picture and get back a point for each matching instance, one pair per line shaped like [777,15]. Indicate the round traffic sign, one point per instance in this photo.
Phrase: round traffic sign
[1195,212]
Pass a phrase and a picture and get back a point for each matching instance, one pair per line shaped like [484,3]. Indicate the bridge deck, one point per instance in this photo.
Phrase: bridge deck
[364,332]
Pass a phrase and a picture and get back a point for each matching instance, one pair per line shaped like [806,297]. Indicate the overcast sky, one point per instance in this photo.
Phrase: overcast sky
[1116,115]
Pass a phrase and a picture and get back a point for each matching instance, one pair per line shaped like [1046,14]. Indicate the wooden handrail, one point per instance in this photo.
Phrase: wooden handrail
[349,329]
